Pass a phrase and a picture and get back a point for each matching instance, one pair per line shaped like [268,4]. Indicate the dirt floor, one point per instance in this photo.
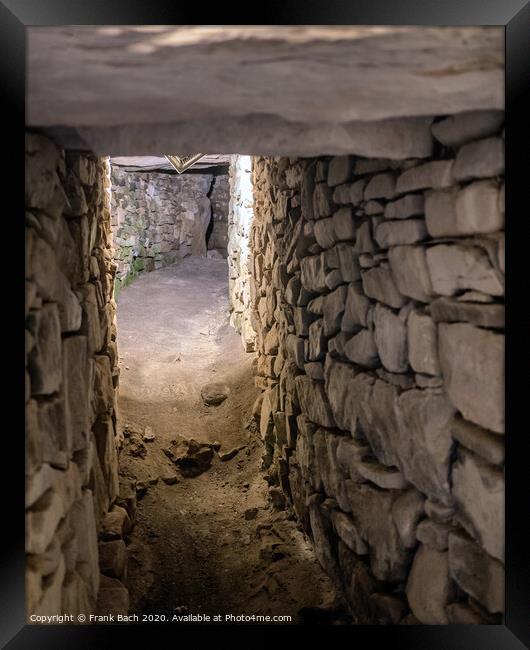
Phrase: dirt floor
[212,544]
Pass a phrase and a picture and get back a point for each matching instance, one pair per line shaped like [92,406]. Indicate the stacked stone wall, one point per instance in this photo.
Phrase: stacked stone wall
[72,438]
[220,198]
[159,218]
[376,293]
[240,216]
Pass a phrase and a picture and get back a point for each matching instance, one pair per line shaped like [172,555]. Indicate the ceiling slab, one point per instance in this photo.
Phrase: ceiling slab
[184,83]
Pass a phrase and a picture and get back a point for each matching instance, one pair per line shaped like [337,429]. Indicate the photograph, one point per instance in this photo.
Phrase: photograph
[265,360]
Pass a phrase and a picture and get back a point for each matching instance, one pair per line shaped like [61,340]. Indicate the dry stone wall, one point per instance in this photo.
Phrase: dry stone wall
[158,218]
[377,297]
[72,487]
[240,216]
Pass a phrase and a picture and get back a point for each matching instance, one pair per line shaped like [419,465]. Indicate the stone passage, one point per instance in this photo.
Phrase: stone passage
[71,380]
[159,218]
[376,294]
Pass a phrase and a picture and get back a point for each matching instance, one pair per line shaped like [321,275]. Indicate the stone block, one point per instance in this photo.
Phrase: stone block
[434,534]
[472,363]
[323,204]
[430,587]
[380,186]
[348,533]
[390,335]
[407,510]
[333,310]
[476,572]
[44,361]
[355,309]
[378,283]
[423,443]
[422,343]
[487,445]
[339,170]
[76,388]
[313,401]
[399,233]
[343,224]
[317,340]
[362,349]
[410,273]
[451,310]
[410,205]
[480,159]
[313,273]
[372,516]
[435,174]
[348,262]
[456,130]
[478,490]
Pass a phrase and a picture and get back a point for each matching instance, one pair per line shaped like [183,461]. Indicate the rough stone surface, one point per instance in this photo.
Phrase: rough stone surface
[263,76]
[430,587]
[472,362]
[71,437]
[456,130]
[372,382]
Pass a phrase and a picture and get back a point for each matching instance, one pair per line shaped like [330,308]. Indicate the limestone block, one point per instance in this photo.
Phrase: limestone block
[350,452]
[410,273]
[333,310]
[422,343]
[43,188]
[51,600]
[480,159]
[435,174]
[372,208]
[362,349]
[357,190]
[317,340]
[407,511]
[429,586]
[390,335]
[387,478]
[339,170]
[378,283]
[295,348]
[357,582]
[434,534]
[320,529]
[478,489]
[44,360]
[440,212]
[371,513]
[380,186]
[348,262]
[313,401]
[325,233]
[104,436]
[476,572]
[104,395]
[84,524]
[323,205]
[379,422]
[487,445]
[410,205]
[348,533]
[346,391]
[423,442]
[76,388]
[355,309]
[313,273]
[343,224]
[472,362]
[306,192]
[364,242]
[478,208]
[455,130]
[452,310]
[399,233]
[341,194]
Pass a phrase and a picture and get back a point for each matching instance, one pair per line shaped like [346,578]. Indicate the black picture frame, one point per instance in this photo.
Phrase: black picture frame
[514,15]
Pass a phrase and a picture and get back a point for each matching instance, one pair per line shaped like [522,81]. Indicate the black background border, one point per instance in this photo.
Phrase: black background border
[15,16]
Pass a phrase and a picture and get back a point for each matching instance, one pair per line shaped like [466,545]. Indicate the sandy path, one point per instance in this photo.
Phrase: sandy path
[193,545]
